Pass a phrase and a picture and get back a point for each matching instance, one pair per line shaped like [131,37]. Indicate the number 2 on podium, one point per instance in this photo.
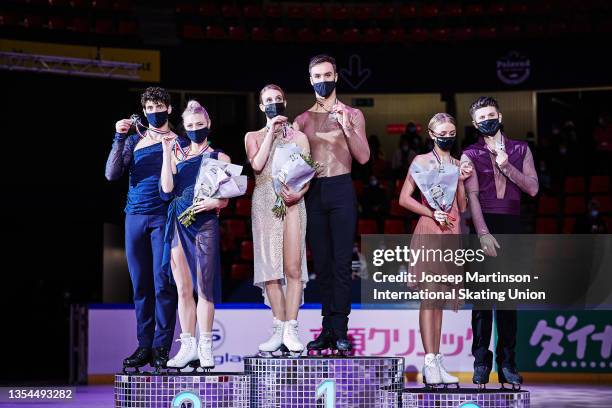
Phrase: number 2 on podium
[327,391]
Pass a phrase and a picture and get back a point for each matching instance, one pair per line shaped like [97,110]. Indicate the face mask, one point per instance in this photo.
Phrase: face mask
[324,88]
[489,127]
[157,119]
[199,135]
[274,109]
[411,129]
[594,213]
[445,143]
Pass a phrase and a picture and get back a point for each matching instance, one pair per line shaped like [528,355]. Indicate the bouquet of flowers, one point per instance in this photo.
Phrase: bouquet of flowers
[293,168]
[438,185]
[216,179]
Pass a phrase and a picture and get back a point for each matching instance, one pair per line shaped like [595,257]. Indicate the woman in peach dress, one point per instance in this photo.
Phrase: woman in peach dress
[438,227]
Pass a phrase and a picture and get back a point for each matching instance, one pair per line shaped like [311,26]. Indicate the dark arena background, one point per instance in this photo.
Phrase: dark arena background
[70,69]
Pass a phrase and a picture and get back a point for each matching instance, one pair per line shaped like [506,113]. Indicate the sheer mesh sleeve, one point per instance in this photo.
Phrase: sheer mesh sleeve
[472,190]
[120,156]
[527,180]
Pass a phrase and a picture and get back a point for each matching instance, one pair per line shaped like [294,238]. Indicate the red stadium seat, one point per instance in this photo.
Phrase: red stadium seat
[317,13]
[487,33]
[246,250]
[298,12]
[536,30]
[235,228]
[605,205]
[358,186]
[394,227]
[351,35]
[496,9]
[283,34]
[440,34]
[408,11]
[339,13]
[214,32]
[574,205]
[396,35]
[430,10]
[208,10]
[243,207]
[397,210]
[193,32]
[385,13]
[463,33]
[306,35]
[101,5]
[599,184]
[80,25]
[231,11]
[32,21]
[237,33]
[253,11]
[518,8]
[58,3]
[453,10]
[260,34]
[241,272]
[574,185]
[373,36]
[367,227]
[185,8]
[122,5]
[419,35]
[56,23]
[548,205]
[127,27]
[104,26]
[363,12]
[545,225]
[474,10]
[328,35]
[8,19]
[568,225]
[273,11]
[79,3]
[511,31]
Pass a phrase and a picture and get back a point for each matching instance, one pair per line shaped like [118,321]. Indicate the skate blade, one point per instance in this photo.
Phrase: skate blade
[293,354]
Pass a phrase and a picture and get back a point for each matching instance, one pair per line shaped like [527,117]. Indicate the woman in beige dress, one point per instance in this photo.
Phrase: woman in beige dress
[279,245]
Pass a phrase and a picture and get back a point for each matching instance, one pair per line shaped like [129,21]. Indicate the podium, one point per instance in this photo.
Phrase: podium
[326,381]
[455,398]
[193,390]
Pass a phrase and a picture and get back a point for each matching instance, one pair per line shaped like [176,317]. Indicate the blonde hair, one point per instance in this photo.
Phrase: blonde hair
[271,86]
[440,118]
[194,107]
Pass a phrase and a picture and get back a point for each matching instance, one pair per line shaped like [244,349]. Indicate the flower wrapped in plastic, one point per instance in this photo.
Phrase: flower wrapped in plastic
[438,185]
[216,179]
[291,167]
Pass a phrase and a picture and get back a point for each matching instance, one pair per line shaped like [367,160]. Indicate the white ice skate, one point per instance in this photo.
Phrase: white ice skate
[431,371]
[446,378]
[291,339]
[187,354]
[275,342]
[205,352]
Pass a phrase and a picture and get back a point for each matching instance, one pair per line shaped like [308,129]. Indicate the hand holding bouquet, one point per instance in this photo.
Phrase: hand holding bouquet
[216,179]
[291,170]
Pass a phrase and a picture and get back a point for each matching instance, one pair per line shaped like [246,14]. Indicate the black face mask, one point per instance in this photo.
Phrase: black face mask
[198,135]
[324,88]
[489,127]
[157,119]
[274,109]
[445,143]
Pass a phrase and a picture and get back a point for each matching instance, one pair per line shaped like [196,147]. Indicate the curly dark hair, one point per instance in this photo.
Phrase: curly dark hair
[155,94]
[483,102]
[321,58]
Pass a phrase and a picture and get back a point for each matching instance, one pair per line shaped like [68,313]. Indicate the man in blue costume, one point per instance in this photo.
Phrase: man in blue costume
[155,297]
